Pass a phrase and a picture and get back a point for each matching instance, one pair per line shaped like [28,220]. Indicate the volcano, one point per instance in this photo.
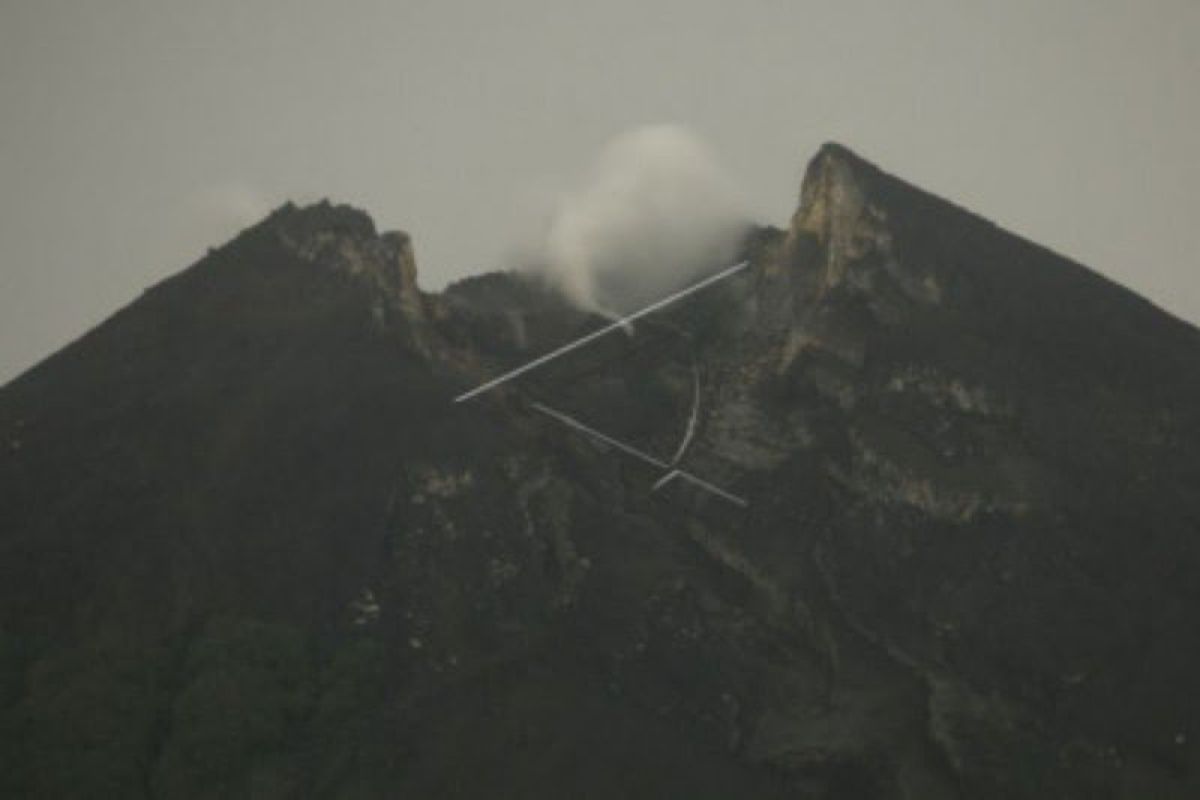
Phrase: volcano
[250,547]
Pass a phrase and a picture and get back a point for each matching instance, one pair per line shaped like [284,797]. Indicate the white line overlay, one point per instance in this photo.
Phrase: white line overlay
[620,323]
[673,472]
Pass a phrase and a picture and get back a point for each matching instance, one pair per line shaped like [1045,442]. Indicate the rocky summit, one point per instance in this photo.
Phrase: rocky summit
[251,547]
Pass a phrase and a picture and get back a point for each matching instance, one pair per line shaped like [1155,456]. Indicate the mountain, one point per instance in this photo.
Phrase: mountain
[251,547]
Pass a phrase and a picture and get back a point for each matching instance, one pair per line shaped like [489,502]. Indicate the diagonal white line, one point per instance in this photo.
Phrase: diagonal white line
[571,422]
[717,490]
[620,323]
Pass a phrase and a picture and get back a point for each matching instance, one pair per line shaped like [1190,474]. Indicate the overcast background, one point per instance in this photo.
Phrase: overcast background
[137,132]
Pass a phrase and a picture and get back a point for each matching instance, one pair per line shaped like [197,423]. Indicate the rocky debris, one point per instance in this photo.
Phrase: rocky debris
[251,549]
[343,238]
[366,608]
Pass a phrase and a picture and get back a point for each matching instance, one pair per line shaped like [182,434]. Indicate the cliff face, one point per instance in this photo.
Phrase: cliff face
[249,546]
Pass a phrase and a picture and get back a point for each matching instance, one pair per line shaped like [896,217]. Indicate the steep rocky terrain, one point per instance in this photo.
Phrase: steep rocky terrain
[250,548]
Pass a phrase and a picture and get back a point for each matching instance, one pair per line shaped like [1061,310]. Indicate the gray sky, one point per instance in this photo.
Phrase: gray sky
[137,132]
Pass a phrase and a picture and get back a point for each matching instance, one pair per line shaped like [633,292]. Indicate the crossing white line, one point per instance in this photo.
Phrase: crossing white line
[664,480]
[674,472]
[571,422]
[620,323]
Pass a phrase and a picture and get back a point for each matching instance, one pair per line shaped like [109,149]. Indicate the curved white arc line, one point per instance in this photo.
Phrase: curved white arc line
[690,430]
[571,422]
[664,480]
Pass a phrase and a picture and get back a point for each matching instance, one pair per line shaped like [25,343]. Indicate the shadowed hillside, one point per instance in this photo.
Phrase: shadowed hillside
[250,548]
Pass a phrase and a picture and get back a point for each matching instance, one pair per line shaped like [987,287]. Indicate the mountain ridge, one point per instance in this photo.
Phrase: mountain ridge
[249,547]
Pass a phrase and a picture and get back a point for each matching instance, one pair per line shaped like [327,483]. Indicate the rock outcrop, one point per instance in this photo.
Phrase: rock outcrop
[249,546]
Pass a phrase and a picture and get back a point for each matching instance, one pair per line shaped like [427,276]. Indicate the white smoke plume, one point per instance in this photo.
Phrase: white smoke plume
[654,211]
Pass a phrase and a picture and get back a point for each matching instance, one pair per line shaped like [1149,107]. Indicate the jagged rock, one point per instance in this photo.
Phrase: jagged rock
[249,546]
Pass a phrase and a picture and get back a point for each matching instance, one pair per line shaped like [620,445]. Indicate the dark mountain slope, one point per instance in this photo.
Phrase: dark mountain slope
[248,546]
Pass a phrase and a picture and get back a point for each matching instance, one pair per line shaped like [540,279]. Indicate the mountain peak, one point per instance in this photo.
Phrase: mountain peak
[840,218]
[833,195]
[966,566]
[345,239]
[322,216]
[836,152]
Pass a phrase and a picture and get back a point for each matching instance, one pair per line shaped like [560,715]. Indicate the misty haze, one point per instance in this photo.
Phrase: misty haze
[641,400]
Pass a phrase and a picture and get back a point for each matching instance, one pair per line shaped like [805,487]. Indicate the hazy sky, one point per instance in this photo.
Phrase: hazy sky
[137,132]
